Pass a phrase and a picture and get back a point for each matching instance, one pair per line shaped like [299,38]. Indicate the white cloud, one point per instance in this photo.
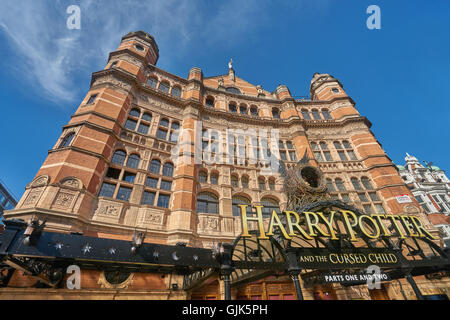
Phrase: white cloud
[51,57]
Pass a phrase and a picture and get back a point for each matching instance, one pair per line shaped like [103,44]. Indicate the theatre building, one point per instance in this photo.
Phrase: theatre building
[143,193]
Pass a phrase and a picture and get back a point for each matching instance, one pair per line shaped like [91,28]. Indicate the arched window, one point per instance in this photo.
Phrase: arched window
[244,181]
[168,169]
[214,177]
[330,185]
[164,123]
[261,183]
[337,145]
[133,161]
[254,111]
[210,102]
[232,107]
[203,177]
[176,92]
[135,113]
[339,184]
[305,114]
[155,166]
[276,113]
[152,82]
[315,114]
[67,140]
[147,117]
[119,157]
[366,183]
[243,110]
[272,184]
[207,202]
[233,90]
[236,200]
[234,181]
[164,87]
[269,205]
[326,114]
[356,184]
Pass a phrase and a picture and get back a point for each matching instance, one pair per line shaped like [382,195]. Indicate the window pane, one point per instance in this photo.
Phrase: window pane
[210,102]
[318,156]
[243,110]
[345,198]
[323,146]
[148,198]
[168,169]
[164,87]
[292,155]
[244,182]
[367,208]
[163,200]
[363,197]
[254,111]
[143,128]
[128,177]
[166,185]
[234,181]
[152,82]
[202,177]
[135,113]
[119,157]
[327,155]
[305,115]
[67,140]
[232,108]
[283,155]
[315,114]
[261,184]
[289,145]
[356,184]
[373,196]
[161,134]
[379,208]
[330,185]
[124,193]
[176,92]
[366,183]
[214,178]
[352,155]
[92,99]
[147,117]
[326,115]
[342,155]
[107,190]
[151,182]
[130,124]
[240,200]
[340,185]
[207,202]
[233,90]
[346,144]
[268,206]
[133,161]
[155,166]
[271,184]
[314,146]
[276,113]
[113,173]
[337,145]
[164,123]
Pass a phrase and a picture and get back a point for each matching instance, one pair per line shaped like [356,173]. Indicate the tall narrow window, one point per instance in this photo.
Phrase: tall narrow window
[119,157]
[67,140]
[176,92]
[207,202]
[254,111]
[92,99]
[326,114]
[305,114]
[243,110]
[168,169]
[244,182]
[214,178]
[261,183]
[232,107]
[133,161]
[356,184]
[366,183]
[164,87]
[315,113]
[276,113]
[234,181]
[339,184]
[155,166]
[203,177]
[330,185]
[210,102]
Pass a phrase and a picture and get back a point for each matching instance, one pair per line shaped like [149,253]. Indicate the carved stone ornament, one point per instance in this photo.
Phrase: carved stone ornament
[71,182]
[40,181]
[64,199]
[109,209]
[153,217]
[33,197]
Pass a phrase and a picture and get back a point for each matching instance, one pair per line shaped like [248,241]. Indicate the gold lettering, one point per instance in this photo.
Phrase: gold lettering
[408,226]
[363,227]
[275,221]
[418,224]
[396,225]
[314,225]
[245,219]
[349,226]
[329,223]
[295,224]
[381,224]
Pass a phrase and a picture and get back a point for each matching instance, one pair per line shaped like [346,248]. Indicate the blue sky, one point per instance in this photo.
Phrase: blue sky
[398,76]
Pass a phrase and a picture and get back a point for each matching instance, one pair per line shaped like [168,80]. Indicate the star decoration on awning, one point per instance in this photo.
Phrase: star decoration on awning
[112,250]
[87,248]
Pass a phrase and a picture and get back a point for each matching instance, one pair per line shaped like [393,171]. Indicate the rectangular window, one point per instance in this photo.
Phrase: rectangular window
[327,155]
[124,193]
[342,155]
[379,208]
[148,198]
[166,185]
[373,196]
[92,99]
[345,198]
[367,208]
[164,87]
[107,190]
[151,182]
[362,197]
[128,177]
[318,156]
[143,128]
[292,155]
[283,155]
[161,134]
[163,200]
[131,124]
[351,154]
[289,145]
[113,173]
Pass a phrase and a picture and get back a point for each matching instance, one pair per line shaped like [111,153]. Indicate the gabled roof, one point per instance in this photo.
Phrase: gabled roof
[244,86]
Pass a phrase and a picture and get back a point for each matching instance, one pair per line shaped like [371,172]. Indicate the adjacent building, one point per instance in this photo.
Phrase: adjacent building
[431,188]
[174,156]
